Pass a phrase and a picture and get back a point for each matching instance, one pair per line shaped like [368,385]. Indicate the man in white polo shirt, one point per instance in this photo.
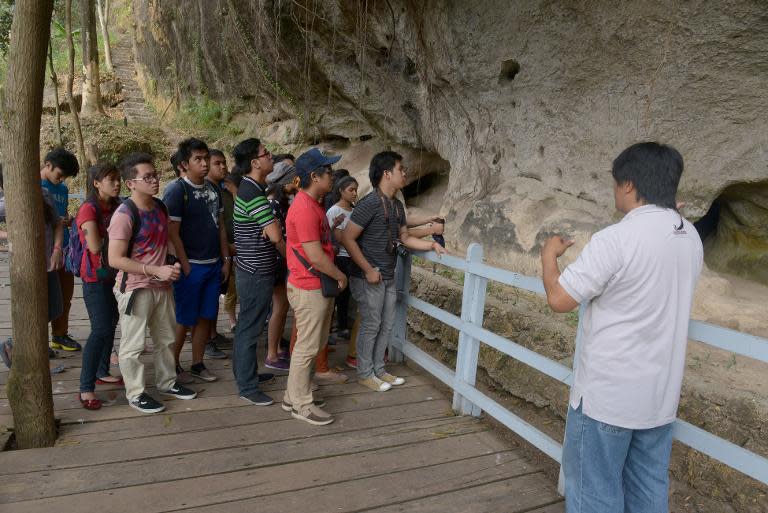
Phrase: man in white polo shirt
[637,278]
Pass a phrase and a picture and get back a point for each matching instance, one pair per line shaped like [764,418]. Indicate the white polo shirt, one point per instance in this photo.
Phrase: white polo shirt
[638,277]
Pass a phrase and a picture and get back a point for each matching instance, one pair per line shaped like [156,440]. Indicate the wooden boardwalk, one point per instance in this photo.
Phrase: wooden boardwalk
[402,450]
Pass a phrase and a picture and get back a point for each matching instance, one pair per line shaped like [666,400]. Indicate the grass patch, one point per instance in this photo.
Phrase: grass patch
[210,121]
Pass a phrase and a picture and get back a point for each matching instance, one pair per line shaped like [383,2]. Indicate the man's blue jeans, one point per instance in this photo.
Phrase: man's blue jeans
[610,469]
[255,292]
[102,310]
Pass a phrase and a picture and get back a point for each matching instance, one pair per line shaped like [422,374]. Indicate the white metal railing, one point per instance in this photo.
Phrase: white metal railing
[468,400]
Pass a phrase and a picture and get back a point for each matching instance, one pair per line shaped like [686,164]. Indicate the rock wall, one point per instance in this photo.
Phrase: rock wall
[528,101]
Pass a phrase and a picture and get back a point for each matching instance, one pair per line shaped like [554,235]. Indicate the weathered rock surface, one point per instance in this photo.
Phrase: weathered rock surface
[527,101]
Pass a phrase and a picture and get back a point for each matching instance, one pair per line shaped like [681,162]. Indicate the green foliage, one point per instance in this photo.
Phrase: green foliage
[208,118]
[6,19]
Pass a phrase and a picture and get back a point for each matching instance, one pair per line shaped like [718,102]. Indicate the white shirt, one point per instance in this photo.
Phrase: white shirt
[331,214]
[638,277]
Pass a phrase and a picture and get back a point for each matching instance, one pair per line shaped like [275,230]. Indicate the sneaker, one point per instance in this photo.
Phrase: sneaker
[211,351]
[286,406]
[375,384]
[266,377]
[351,362]
[65,343]
[392,380]
[200,372]
[183,377]
[179,392]
[313,415]
[258,399]
[221,341]
[277,364]
[146,404]
[284,355]
[330,378]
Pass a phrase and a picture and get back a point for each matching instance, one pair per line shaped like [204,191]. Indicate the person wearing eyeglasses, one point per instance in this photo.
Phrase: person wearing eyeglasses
[143,284]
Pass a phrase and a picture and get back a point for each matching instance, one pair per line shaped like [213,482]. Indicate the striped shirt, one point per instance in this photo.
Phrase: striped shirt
[379,226]
[255,253]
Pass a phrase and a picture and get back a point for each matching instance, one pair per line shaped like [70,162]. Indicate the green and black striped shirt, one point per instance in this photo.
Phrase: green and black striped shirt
[255,253]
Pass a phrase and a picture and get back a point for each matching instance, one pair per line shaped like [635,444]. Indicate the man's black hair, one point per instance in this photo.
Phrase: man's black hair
[217,153]
[653,169]
[128,165]
[282,156]
[187,146]
[244,153]
[64,160]
[384,161]
[175,161]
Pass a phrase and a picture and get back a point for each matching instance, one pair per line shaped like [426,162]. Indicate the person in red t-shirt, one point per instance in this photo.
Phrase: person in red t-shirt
[92,221]
[309,241]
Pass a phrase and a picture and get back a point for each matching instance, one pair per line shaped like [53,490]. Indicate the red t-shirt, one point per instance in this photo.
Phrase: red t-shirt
[306,222]
[91,262]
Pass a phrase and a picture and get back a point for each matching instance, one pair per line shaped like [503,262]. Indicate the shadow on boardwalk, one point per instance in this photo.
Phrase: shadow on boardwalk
[397,451]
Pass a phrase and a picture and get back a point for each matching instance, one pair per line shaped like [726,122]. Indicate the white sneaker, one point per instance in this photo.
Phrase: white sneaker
[375,384]
[392,380]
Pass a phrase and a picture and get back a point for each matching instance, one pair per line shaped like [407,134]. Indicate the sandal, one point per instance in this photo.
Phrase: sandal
[117,383]
[89,404]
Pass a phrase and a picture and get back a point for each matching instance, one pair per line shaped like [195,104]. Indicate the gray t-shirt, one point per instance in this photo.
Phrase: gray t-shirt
[381,219]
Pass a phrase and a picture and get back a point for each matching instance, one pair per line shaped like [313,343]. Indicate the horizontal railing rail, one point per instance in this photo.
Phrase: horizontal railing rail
[468,400]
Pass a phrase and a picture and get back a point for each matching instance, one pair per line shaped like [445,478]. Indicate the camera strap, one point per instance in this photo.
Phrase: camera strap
[386,216]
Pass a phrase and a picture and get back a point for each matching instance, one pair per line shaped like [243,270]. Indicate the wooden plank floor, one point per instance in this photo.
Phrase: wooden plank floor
[387,452]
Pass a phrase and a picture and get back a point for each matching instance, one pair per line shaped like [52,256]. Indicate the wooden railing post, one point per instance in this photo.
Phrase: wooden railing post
[403,287]
[472,310]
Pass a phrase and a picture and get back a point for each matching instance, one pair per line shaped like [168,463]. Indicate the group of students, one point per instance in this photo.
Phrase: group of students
[265,235]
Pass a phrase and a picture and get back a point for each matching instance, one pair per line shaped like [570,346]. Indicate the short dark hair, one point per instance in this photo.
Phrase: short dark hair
[175,161]
[64,160]
[653,169]
[217,153]
[235,176]
[244,153]
[128,165]
[187,146]
[282,156]
[384,161]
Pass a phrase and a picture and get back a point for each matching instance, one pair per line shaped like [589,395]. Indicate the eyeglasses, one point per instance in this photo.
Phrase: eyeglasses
[265,154]
[147,179]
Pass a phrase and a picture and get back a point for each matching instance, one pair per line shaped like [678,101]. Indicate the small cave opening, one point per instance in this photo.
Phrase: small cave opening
[734,231]
[421,185]
[509,70]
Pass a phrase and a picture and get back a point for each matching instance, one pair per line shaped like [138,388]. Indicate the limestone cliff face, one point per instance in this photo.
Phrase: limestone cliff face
[523,103]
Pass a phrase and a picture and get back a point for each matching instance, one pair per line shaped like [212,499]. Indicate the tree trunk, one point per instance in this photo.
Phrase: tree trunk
[91,88]
[29,382]
[55,83]
[102,6]
[70,83]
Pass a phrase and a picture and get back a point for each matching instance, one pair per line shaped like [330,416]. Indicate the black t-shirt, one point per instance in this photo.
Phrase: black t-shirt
[381,219]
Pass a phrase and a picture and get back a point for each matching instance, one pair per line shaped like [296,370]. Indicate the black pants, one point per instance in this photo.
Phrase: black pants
[342,300]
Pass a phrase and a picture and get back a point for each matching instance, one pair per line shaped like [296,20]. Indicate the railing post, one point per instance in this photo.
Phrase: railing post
[576,351]
[403,287]
[472,310]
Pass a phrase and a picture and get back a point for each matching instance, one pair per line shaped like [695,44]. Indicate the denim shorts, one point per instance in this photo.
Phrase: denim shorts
[197,294]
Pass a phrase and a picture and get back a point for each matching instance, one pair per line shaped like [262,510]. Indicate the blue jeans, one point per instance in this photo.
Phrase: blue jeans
[610,469]
[103,314]
[255,293]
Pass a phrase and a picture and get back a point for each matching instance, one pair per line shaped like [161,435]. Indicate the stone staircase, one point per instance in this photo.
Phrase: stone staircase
[134,106]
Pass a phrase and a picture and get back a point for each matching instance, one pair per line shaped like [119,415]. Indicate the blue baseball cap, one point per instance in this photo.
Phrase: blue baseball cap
[313,159]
